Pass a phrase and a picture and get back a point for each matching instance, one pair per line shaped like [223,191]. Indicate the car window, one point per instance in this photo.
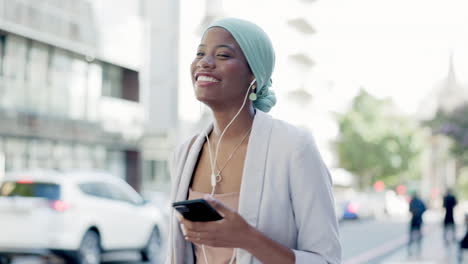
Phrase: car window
[97,189]
[121,194]
[49,191]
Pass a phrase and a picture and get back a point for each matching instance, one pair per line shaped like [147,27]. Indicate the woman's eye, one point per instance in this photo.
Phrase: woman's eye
[223,55]
[199,54]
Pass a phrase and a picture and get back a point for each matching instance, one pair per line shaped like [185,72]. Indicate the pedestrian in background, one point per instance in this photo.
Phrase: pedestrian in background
[464,242]
[450,201]
[417,209]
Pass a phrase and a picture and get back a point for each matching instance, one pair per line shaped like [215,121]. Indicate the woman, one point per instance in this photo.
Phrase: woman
[265,177]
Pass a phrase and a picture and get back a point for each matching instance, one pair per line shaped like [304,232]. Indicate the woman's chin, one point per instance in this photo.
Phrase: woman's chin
[208,100]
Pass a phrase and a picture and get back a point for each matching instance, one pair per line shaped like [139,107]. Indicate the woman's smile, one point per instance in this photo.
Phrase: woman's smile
[205,80]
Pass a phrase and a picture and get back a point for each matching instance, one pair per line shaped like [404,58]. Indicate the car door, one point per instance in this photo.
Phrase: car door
[135,224]
[101,206]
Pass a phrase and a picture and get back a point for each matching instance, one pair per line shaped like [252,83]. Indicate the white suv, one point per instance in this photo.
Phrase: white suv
[76,215]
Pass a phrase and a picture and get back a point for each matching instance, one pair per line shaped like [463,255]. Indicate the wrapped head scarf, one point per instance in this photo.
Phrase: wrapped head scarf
[258,51]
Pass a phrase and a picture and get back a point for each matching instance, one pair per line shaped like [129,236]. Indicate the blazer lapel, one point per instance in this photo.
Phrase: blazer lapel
[182,193]
[187,172]
[254,174]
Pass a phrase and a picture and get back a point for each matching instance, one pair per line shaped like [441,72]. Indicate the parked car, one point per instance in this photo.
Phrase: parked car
[359,206]
[77,215]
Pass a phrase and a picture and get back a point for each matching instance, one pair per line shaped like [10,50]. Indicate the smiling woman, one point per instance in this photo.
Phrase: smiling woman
[275,198]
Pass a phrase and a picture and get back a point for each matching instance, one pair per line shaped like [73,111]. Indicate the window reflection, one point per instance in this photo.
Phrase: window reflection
[111,81]
[60,70]
[78,86]
[94,90]
[37,77]
[14,65]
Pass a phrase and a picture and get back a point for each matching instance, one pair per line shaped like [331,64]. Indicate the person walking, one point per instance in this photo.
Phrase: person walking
[450,201]
[417,209]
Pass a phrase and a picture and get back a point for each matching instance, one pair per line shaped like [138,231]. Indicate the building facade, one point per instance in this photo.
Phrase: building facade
[160,88]
[61,105]
[440,170]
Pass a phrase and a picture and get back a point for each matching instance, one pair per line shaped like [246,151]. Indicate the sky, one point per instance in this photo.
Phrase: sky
[392,48]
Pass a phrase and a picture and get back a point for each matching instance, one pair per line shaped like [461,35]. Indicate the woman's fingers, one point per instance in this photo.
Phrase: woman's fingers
[219,206]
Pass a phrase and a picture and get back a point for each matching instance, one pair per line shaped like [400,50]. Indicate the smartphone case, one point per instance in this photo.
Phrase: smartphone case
[197,210]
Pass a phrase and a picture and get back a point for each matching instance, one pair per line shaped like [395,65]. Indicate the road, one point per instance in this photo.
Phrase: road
[113,258]
[363,241]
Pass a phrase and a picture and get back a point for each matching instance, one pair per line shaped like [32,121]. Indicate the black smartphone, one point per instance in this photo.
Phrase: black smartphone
[197,210]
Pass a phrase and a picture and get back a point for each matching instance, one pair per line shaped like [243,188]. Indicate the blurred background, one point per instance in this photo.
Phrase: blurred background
[104,85]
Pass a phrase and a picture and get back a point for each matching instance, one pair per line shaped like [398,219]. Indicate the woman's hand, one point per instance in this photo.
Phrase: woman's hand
[230,232]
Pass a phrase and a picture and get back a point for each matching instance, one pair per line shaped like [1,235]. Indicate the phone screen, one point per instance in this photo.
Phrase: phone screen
[197,210]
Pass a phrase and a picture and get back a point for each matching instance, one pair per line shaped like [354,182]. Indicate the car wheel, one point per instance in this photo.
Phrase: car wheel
[90,249]
[5,260]
[153,247]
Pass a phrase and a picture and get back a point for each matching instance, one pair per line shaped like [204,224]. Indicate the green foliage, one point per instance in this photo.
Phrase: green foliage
[455,126]
[375,143]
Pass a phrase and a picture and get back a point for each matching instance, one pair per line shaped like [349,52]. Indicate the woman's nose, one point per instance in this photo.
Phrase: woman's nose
[206,62]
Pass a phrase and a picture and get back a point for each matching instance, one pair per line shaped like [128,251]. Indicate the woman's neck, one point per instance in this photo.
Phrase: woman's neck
[239,126]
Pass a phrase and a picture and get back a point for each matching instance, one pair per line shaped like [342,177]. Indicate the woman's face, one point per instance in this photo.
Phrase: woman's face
[220,73]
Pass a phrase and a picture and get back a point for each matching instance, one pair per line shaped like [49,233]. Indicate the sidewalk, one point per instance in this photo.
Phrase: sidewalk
[433,249]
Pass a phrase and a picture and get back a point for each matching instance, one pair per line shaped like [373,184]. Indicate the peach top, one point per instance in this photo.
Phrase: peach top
[216,255]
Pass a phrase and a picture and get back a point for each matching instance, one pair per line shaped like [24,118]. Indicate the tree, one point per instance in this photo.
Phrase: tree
[455,126]
[375,143]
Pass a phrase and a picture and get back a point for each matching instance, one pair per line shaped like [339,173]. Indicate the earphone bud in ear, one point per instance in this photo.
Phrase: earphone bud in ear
[253,95]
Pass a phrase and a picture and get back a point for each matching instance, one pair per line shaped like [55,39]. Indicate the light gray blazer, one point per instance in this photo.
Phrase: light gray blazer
[286,193]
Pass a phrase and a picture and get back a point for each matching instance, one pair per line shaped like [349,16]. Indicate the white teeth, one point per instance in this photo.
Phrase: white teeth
[206,78]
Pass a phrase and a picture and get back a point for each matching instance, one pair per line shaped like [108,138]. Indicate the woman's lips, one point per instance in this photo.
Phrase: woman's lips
[205,80]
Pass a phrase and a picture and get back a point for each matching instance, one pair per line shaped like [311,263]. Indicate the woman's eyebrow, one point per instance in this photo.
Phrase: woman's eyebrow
[219,46]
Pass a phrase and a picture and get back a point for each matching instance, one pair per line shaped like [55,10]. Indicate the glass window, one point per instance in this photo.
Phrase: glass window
[78,88]
[119,193]
[40,153]
[96,189]
[37,77]
[83,158]
[2,59]
[2,53]
[15,154]
[29,189]
[62,156]
[116,163]
[60,75]
[156,171]
[14,72]
[111,81]
[94,90]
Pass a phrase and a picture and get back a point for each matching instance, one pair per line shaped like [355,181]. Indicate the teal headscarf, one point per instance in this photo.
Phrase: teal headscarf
[258,51]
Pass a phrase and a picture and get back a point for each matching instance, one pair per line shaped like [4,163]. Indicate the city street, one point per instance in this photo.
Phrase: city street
[111,258]
[364,241]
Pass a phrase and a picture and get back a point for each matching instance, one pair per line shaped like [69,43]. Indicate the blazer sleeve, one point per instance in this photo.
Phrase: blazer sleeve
[313,205]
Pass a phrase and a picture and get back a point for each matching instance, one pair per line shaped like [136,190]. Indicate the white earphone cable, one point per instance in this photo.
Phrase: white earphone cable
[213,162]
